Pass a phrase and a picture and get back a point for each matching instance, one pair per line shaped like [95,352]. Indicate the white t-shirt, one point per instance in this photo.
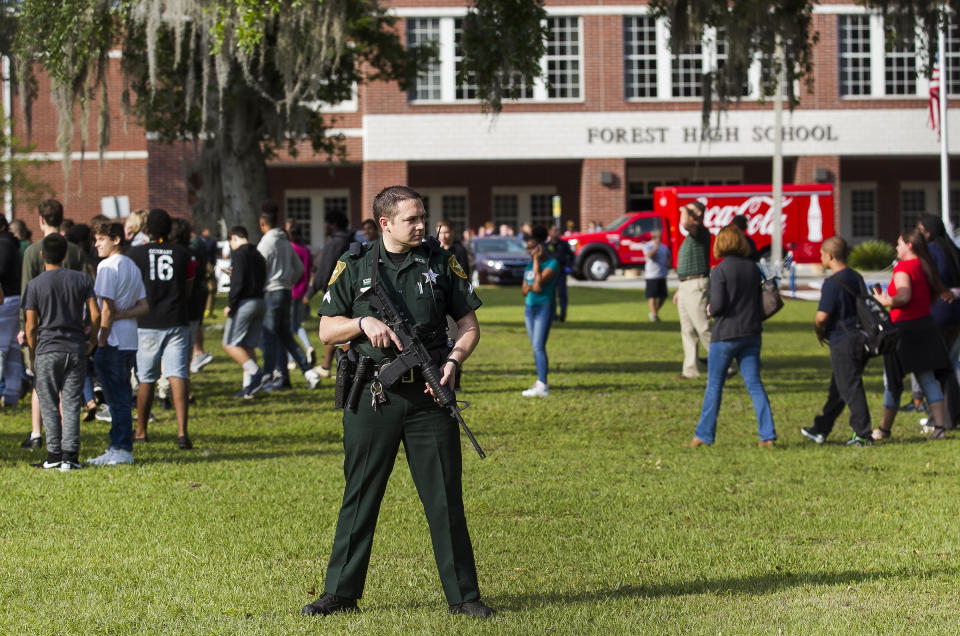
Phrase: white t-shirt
[656,265]
[119,279]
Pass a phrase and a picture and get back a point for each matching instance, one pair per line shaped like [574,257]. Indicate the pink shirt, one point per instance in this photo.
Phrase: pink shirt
[299,288]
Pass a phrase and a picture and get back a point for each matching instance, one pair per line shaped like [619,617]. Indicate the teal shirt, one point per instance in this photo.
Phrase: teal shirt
[546,294]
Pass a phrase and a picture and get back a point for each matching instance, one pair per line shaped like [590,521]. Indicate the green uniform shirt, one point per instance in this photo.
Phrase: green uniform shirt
[693,257]
[425,287]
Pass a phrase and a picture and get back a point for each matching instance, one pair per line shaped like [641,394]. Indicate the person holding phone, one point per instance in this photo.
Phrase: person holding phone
[539,280]
[920,350]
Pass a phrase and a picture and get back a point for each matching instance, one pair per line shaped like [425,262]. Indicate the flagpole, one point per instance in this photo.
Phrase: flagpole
[944,154]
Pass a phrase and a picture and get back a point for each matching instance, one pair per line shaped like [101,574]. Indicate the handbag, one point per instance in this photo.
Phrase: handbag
[770,300]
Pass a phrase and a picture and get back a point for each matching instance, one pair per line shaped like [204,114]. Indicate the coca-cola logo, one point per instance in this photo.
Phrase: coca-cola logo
[757,209]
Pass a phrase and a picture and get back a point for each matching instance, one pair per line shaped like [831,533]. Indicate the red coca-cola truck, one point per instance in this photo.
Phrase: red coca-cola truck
[807,218]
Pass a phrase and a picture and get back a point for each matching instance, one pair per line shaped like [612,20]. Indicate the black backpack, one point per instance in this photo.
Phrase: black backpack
[875,329]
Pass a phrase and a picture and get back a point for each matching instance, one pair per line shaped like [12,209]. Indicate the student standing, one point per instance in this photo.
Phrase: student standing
[54,302]
[655,273]
[539,280]
[167,271]
[122,298]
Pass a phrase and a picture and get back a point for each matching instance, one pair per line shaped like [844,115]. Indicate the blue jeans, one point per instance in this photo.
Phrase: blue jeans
[722,353]
[928,382]
[277,335]
[113,367]
[538,319]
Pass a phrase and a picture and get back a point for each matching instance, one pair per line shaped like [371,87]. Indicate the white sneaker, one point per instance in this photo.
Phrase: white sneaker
[312,377]
[102,460]
[539,389]
[103,413]
[323,373]
[291,365]
[199,362]
[120,456]
[66,466]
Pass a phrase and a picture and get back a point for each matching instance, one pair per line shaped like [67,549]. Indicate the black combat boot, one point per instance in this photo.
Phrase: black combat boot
[472,608]
[328,604]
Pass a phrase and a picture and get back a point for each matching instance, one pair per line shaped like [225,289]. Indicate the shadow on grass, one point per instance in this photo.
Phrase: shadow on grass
[753,585]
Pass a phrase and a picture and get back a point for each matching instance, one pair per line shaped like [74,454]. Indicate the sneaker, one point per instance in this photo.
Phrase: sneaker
[327,604]
[48,464]
[312,377]
[101,460]
[323,373]
[200,361]
[98,395]
[291,365]
[539,389]
[813,436]
[69,464]
[253,386]
[477,609]
[103,414]
[120,456]
[32,443]
[859,442]
[652,317]
[311,356]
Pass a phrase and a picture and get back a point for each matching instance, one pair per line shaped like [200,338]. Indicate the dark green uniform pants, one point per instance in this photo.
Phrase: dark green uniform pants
[431,439]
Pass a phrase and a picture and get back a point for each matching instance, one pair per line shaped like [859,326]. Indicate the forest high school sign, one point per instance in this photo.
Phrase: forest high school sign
[524,136]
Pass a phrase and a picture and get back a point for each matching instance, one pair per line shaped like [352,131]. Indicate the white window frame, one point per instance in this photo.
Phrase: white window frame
[878,56]
[448,70]
[317,196]
[846,213]
[523,200]
[435,195]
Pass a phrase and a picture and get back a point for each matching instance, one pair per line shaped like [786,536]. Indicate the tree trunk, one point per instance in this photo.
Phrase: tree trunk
[205,185]
[243,166]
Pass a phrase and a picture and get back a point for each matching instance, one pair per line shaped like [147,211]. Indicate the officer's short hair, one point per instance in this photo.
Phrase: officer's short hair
[836,247]
[385,203]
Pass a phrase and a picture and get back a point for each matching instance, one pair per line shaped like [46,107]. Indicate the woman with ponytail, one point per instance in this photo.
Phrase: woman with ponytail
[921,351]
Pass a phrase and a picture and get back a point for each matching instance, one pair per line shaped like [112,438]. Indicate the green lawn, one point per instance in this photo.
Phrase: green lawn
[587,517]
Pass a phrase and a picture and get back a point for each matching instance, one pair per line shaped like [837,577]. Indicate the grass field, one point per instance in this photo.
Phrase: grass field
[587,517]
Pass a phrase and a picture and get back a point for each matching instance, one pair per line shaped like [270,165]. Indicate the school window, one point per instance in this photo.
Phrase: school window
[687,70]
[863,213]
[913,205]
[425,31]
[900,69]
[640,56]
[563,58]
[445,204]
[308,209]
[854,54]
[541,209]
[952,46]
[506,211]
[562,64]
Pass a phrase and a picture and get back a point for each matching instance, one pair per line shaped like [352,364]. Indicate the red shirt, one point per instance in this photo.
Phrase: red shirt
[920,297]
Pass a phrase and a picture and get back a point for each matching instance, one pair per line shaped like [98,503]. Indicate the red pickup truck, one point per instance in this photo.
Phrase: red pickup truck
[806,215]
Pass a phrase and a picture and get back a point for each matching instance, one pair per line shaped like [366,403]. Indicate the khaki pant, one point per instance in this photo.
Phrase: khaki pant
[692,298]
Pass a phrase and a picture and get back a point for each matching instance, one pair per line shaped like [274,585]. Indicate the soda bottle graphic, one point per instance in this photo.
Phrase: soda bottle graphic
[814,220]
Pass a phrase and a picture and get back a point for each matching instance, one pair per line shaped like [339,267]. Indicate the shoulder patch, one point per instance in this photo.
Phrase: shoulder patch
[455,267]
[336,272]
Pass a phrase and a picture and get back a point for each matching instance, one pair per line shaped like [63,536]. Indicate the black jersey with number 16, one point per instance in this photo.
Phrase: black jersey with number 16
[165,268]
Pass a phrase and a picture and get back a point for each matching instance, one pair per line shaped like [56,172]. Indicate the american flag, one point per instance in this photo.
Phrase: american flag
[935,97]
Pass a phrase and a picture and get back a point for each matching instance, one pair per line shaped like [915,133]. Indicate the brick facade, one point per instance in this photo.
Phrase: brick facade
[592,187]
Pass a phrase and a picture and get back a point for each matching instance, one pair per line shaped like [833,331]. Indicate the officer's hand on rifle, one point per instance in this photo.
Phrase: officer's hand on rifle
[379,334]
[449,370]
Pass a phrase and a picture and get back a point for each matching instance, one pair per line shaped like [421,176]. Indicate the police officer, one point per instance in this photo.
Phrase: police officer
[426,283]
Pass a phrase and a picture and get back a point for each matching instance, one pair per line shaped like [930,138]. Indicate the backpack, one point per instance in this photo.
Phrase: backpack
[875,329]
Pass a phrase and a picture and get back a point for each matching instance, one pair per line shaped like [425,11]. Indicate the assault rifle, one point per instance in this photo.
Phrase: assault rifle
[414,356]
